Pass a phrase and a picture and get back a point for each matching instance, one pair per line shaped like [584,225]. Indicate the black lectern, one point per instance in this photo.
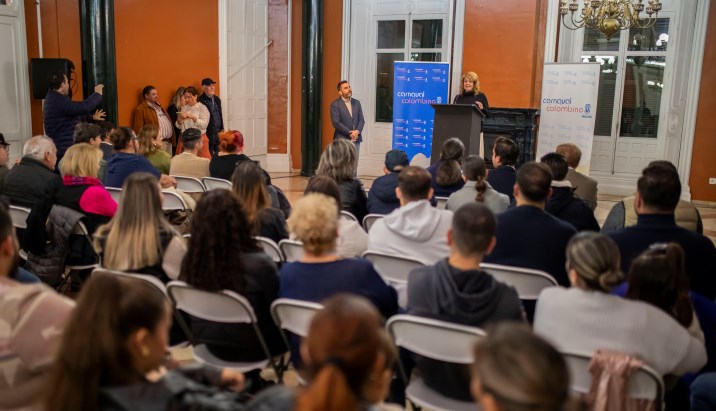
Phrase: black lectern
[463,121]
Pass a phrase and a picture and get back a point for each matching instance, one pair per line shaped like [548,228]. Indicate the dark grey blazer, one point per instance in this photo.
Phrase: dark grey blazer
[342,120]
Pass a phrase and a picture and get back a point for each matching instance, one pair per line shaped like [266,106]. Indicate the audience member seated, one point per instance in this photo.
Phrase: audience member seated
[516,370]
[477,188]
[249,185]
[703,393]
[586,317]
[563,204]
[188,163]
[81,190]
[527,236]
[150,146]
[321,273]
[346,365]
[106,144]
[231,153]
[194,115]
[33,319]
[126,162]
[658,192]
[119,330]
[456,290]
[416,229]
[352,239]
[504,159]
[446,175]
[382,198]
[4,159]
[340,162]
[139,239]
[91,134]
[33,180]
[584,186]
[222,255]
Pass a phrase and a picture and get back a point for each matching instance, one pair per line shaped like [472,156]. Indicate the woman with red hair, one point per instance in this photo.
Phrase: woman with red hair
[231,148]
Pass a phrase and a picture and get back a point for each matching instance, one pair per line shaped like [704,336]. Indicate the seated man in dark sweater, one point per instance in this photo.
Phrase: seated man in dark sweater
[504,158]
[456,290]
[528,236]
[33,180]
[382,198]
[657,195]
[563,204]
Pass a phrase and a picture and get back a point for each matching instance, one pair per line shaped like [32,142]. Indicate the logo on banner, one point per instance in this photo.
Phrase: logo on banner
[587,111]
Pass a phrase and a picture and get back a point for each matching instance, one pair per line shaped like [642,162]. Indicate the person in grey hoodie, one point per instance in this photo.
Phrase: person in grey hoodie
[456,290]
[416,229]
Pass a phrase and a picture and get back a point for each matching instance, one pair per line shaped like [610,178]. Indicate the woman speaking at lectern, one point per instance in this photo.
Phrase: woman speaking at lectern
[470,92]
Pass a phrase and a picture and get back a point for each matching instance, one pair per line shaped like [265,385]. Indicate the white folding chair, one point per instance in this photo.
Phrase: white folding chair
[369,220]
[442,202]
[18,215]
[172,201]
[646,383]
[271,248]
[189,185]
[223,307]
[349,215]
[115,192]
[438,340]
[292,249]
[394,270]
[294,316]
[527,282]
[212,183]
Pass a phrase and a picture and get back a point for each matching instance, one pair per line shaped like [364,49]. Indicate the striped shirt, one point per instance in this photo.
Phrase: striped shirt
[165,124]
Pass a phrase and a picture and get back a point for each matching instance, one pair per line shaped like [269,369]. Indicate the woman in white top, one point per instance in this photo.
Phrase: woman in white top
[193,115]
[586,318]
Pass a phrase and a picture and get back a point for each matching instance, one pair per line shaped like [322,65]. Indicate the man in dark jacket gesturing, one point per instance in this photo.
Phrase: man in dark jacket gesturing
[61,114]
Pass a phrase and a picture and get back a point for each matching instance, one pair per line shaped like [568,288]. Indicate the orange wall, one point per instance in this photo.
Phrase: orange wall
[332,49]
[165,43]
[60,39]
[278,73]
[702,163]
[504,46]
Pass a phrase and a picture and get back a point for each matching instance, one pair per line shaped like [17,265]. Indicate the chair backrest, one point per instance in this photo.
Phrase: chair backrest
[370,219]
[172,201]
[115,192]
[292,249]
[18,215]
[392,268]
[223,307]
[442,202]
[212,183]
[154,281]
[270,247]
[439,340]
[189,184]
[527,282]
[294,315]
[644,384]
[346,214]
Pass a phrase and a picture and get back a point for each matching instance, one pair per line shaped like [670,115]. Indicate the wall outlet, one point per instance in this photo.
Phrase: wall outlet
[712,180]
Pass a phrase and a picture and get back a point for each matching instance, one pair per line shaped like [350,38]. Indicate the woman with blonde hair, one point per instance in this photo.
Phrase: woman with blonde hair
[173,111]
[249,184]
[150,146]
[139,239]
[340,162]
[81,189]
[587,317]
[470,92]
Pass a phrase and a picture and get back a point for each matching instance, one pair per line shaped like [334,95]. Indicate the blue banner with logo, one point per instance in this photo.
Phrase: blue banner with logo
[417,85]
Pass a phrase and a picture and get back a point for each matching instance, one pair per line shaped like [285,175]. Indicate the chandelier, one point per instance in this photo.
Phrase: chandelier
[609,16]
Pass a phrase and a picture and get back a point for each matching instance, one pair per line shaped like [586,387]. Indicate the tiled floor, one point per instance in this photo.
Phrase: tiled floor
[293,186]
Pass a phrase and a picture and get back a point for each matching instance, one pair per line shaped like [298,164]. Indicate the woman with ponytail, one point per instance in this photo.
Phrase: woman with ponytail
[587,317]
[343,355]
[477,188]
[447,172]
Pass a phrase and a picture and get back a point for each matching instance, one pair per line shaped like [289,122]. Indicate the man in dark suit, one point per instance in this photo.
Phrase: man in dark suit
[527,236]
[504,158]
[347,116]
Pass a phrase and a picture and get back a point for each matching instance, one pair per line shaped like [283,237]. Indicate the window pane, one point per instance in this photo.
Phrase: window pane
[384,86]
[641,104]
[391,34]
[425,56]
[427,34]
[605,98]
[596,41]
[655,38]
